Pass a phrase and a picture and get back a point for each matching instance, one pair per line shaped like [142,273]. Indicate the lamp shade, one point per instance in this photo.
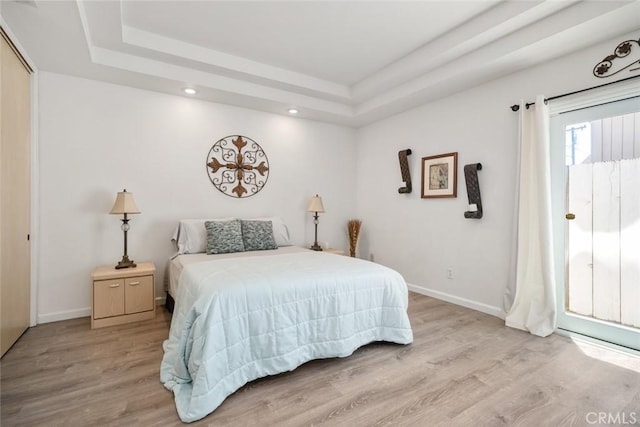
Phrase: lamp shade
[124,204]
[315,205]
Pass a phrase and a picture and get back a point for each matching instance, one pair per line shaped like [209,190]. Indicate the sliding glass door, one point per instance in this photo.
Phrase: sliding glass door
[596,207]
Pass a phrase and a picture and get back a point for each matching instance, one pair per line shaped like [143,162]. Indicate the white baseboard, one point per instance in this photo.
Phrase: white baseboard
[474,305]
[74,314]
[64,315]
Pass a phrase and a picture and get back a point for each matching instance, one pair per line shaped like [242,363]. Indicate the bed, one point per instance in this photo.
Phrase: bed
[239,317]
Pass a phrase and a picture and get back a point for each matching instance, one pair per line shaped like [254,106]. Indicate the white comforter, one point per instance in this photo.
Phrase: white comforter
[236,320]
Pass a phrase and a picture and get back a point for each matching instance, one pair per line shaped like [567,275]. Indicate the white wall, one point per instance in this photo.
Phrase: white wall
[423,238]
[97,138]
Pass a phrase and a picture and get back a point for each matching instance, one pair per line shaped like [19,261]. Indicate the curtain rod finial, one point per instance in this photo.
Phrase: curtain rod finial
[515,107]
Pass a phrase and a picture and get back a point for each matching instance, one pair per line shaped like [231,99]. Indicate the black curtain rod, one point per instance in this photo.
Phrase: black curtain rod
[516,107]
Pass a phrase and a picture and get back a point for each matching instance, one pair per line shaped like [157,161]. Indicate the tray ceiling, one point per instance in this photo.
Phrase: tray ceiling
[347,62]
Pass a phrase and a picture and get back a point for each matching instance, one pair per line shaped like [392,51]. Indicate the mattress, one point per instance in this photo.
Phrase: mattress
[177,263]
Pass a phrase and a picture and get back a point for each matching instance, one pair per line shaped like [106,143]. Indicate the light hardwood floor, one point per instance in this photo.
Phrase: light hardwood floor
[464,368]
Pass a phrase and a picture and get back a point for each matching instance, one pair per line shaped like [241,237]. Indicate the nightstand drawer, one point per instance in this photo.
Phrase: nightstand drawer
[138,294]
[108,298]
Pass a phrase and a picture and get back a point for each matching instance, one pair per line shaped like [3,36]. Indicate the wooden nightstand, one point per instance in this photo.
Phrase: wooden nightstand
[334,251]
[123,296]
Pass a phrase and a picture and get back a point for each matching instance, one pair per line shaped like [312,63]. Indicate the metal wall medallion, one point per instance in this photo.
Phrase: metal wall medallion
[625,55]
[237,166]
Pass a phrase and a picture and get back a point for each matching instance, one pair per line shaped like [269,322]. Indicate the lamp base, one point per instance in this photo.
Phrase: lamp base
[125,263]
[316,247]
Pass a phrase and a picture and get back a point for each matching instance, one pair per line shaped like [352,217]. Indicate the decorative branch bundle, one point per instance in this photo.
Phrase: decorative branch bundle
[353,227]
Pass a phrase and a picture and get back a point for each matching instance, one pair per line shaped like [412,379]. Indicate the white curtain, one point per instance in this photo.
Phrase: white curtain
[534,298]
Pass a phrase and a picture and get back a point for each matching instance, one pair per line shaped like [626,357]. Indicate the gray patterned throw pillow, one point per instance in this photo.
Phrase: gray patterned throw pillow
[258,235]
[224,237]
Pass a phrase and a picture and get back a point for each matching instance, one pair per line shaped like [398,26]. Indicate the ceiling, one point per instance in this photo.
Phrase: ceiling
[346,62]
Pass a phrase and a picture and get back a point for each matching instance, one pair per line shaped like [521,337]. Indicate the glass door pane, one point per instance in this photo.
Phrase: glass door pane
[596,201]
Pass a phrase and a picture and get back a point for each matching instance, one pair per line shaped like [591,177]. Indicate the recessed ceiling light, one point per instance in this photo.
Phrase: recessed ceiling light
[190,91]
[293,111]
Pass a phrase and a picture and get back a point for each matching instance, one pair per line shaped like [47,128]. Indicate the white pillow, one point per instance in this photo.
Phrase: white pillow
[280,230]
[191,235]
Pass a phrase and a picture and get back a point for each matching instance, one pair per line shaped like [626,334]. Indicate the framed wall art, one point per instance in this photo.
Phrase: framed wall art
[440,176]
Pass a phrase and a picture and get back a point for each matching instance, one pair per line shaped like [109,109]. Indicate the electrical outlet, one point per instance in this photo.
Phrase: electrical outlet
[449,273]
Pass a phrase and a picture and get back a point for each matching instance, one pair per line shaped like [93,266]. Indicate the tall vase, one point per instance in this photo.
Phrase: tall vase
[353,227]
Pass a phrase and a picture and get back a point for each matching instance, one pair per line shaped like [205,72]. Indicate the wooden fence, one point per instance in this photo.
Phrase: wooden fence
[604,240]
[615,138]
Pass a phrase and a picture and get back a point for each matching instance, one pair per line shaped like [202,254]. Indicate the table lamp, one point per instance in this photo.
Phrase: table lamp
[125,205]
[315,206]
